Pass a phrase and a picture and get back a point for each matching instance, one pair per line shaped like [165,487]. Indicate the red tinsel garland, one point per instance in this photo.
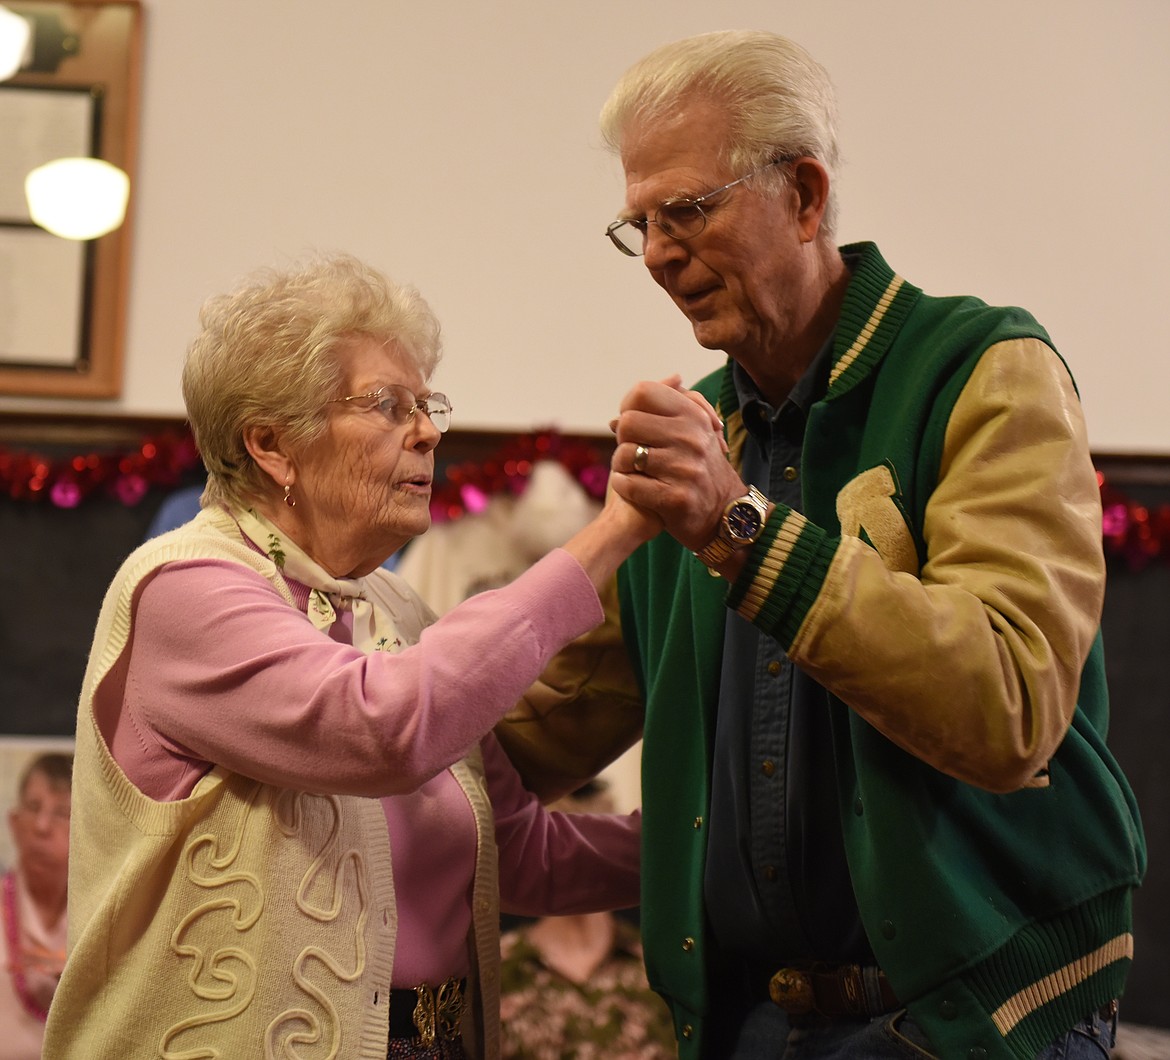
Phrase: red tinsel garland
[469,485]
[66,481]
[1132,532]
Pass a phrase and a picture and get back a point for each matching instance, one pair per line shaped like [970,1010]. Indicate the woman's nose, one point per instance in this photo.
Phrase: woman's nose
[426,434]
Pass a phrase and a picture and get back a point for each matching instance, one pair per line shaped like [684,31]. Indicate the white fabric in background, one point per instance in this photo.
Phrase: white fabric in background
[457,559]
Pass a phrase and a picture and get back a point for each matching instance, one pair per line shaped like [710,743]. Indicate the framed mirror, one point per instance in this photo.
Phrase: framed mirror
[63,301]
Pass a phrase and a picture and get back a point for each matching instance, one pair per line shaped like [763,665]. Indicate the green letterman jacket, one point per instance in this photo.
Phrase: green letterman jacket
[944,585]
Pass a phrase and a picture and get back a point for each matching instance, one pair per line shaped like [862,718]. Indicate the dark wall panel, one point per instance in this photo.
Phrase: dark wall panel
[57,562]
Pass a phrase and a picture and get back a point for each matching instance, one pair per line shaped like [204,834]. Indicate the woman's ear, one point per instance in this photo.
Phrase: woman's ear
[265,446]
[812,185]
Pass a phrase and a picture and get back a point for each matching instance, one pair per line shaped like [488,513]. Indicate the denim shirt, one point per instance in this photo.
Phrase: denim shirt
[777,883]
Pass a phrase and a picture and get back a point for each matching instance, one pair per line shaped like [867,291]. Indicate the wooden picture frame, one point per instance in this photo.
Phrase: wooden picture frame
[93,52]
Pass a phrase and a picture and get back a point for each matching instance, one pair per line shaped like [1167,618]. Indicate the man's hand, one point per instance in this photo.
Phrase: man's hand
[671,459]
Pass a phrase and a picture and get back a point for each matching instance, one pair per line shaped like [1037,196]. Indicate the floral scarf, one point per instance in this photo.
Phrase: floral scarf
[374,627]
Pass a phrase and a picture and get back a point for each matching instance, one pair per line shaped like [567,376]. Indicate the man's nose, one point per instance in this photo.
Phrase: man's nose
[661,249]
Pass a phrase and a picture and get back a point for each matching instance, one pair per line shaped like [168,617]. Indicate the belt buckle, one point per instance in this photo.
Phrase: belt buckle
[792,990]
[438,1012]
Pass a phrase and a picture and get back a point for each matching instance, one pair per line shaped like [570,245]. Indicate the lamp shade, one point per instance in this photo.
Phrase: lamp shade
[15,38]
[77,198]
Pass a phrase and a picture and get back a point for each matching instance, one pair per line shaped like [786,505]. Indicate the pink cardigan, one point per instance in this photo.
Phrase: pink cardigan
[222,671]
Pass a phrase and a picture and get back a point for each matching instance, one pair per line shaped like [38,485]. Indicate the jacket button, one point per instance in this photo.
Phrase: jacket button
[948,1010]
[978,1053]
[888,929]
[698,823]
[687,1030]
[688,944]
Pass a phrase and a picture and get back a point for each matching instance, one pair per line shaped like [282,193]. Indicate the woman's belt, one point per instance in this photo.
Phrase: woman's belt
[429,1014]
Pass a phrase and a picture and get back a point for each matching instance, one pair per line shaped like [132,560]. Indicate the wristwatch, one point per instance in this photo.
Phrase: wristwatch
[741,524]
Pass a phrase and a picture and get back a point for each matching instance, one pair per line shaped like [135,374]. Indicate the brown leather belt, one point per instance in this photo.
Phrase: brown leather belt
[844,992]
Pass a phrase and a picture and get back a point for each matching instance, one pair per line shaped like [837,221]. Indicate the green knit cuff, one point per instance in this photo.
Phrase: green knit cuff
[783,574]
[1046,991]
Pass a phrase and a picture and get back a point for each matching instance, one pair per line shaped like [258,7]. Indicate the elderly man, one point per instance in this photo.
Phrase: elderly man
[879,814]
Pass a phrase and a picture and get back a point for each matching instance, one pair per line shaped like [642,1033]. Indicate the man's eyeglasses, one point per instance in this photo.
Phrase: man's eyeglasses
[678,218]
[398,405]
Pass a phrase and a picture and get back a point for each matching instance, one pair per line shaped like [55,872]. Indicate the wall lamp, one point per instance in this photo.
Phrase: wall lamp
[33,42]
[75,198]
[16,43]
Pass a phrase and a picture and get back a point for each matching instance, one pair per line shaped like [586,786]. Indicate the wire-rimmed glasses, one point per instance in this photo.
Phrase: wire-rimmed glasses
[678,218]
[397,404]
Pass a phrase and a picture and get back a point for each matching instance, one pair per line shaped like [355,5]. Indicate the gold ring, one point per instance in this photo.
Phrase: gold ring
[640,455]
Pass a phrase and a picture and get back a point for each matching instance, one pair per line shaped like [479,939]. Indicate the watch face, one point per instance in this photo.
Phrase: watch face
[744,521]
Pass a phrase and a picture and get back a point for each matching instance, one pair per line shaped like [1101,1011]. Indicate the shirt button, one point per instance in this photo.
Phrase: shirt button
[770,873]
[768,768]
[774,667]
[791,474]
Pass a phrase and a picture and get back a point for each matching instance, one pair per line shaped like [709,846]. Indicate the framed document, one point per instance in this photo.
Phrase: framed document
[42,277]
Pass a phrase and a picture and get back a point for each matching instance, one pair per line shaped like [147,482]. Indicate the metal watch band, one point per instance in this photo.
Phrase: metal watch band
[719,548]
[715,552]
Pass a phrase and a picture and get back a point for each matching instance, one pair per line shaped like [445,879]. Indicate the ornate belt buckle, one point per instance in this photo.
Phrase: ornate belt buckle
[438,1013]
[792,990]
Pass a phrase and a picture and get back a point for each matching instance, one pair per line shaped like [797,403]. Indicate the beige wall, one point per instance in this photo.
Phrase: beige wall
[1017,150]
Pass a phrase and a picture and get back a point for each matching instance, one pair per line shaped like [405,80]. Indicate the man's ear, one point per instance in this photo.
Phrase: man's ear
[266,447]
[811,180]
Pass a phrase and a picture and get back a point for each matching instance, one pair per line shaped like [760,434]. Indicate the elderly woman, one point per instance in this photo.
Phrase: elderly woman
[293,831]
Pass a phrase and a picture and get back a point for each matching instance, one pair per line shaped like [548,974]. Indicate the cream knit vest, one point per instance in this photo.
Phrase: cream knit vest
[244,921]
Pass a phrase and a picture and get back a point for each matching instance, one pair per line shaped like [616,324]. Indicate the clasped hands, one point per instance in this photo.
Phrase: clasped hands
[671,460]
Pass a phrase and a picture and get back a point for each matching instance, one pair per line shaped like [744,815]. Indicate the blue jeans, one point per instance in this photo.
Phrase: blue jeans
[766,1035]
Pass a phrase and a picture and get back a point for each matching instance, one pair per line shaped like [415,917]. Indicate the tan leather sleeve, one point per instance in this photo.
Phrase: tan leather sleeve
[583,712]
[973,664]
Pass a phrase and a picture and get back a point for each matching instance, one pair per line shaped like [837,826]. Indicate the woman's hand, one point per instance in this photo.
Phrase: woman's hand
[639,523]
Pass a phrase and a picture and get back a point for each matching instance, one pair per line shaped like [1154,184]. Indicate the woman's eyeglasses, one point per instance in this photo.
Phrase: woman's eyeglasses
[398,405]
